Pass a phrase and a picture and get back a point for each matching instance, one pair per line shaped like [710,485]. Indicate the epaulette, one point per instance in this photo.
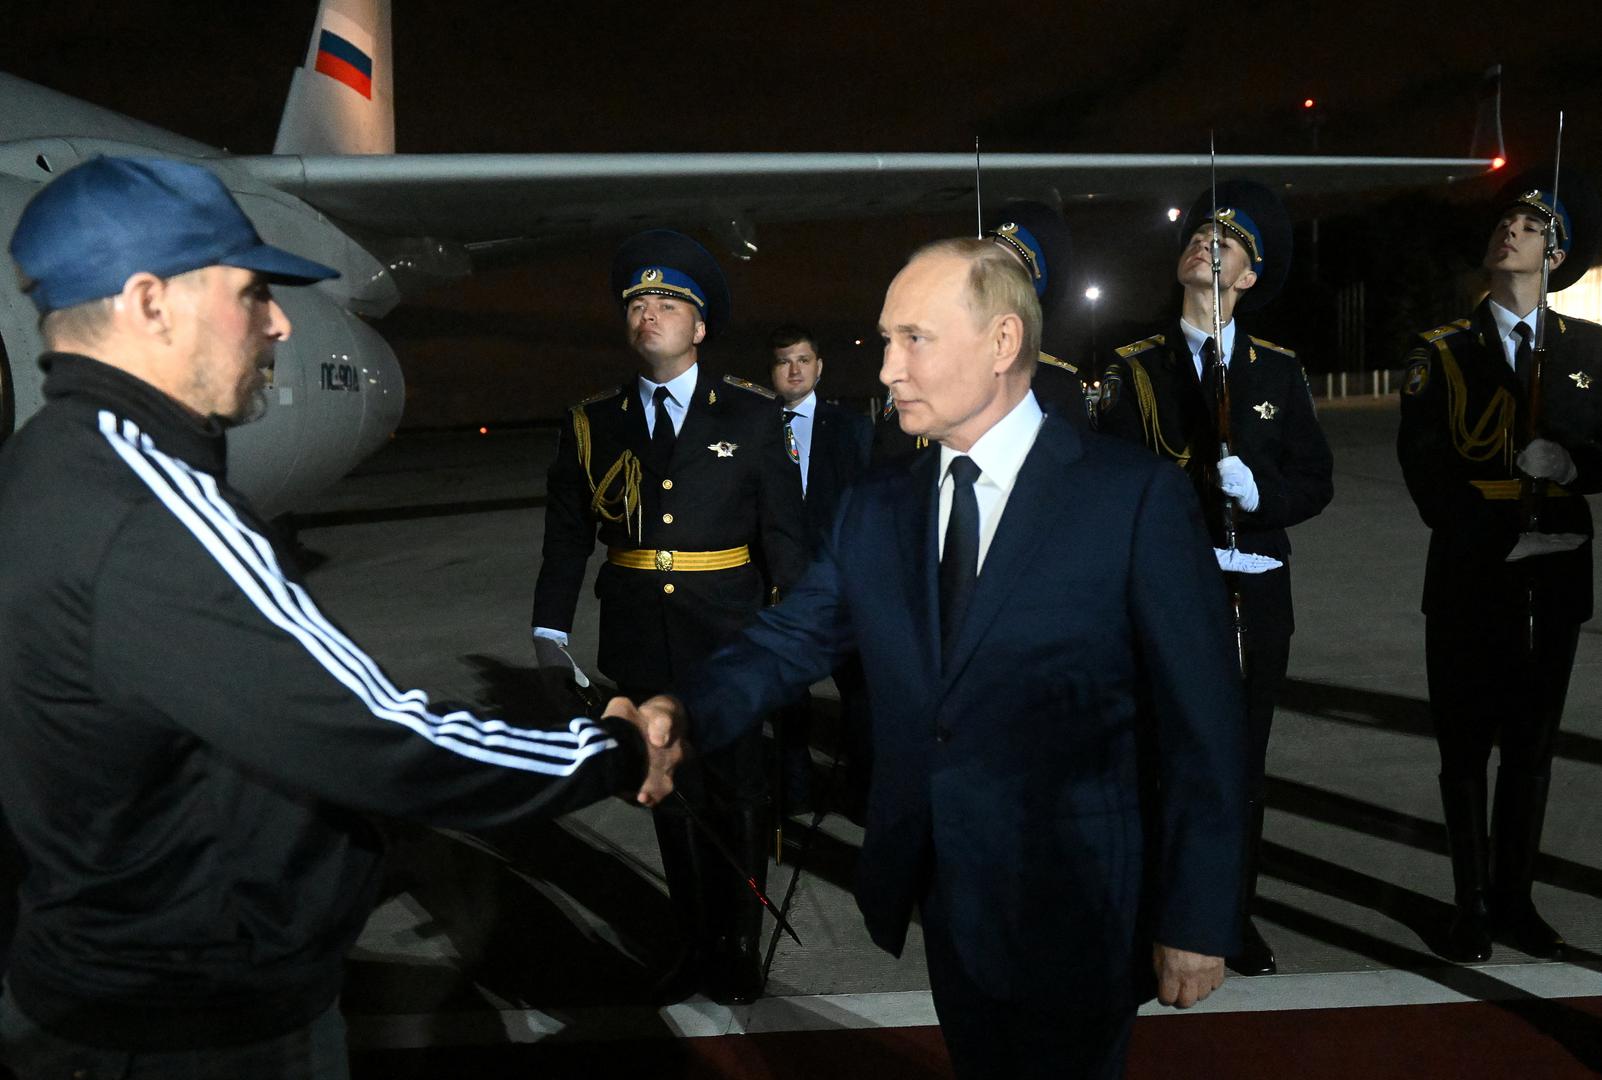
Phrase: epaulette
[1272,347]
[1135,348]
[1442,331]
[593,398]
[747,384]
[1047,358]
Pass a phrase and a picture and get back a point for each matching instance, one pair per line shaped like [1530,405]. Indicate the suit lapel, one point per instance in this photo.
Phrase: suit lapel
[1490,338]
[631,430]
[820,461]
[1028,519]
[917,518]
[699,429]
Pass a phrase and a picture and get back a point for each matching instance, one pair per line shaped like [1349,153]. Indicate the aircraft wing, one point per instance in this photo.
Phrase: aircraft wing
[481,198]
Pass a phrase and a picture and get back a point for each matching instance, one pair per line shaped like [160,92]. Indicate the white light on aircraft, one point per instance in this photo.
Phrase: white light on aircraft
[858,341]
[1173,213]
[1093,293]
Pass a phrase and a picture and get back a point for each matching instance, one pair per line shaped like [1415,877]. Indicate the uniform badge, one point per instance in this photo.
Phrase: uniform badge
[1108,396]
[1267,410]
[1418,377]
[724,449]
[1581,379]
[712,397]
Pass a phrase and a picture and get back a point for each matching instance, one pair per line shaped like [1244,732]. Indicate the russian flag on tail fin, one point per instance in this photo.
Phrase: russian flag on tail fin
[342,98]
[345,53]
[339,59]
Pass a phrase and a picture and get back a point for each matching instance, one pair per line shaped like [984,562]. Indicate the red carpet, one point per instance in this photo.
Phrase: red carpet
[1548,1040]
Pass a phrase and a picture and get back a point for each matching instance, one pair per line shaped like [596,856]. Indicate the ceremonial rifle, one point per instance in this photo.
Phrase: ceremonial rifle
[1532,492]
[1220,373]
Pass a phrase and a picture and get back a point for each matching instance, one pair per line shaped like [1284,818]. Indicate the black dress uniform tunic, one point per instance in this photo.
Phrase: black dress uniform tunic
[1463,414]
[728,485]
[1151,394]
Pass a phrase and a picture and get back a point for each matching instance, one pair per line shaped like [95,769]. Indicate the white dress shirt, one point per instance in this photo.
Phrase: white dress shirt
[1197,338]
[999,453]
[1505,323]
[801,428]
[680,389]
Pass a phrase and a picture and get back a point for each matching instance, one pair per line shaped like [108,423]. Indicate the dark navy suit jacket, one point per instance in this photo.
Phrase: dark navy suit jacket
[1012,779]
[842,442]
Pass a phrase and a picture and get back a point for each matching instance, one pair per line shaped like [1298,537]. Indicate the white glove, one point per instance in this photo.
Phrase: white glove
[550,652]
[1533,544]
[1237,482]
[1544,459]
[1245,562]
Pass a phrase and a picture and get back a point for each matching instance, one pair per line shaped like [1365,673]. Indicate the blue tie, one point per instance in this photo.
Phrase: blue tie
[959,563]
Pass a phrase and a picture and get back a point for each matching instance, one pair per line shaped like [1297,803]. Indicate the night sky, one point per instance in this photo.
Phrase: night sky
[530,77]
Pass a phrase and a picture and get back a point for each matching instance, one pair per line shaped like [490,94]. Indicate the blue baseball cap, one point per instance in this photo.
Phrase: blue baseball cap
[96,225]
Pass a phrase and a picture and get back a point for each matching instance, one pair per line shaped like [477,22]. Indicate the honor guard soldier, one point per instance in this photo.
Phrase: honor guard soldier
[681,473]
[1163,390]
[1502,610]
[1039,238]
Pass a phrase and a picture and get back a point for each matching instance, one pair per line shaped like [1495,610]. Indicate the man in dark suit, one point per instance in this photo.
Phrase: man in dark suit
[1015,592]
[1502,610]
[1162,391]
[680,472]
[830,447]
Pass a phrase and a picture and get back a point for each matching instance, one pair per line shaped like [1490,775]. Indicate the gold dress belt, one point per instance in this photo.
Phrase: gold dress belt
[646,559]
[1509,489]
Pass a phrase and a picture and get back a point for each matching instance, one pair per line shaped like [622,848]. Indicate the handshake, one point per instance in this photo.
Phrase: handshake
[660,722]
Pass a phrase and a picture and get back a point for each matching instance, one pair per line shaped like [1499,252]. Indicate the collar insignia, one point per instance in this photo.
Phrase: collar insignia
[1267,410]
[723,449]
[1581,379]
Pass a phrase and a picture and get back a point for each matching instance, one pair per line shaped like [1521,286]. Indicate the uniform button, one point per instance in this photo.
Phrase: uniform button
[668,588]
[943,734]
[667,519]
[667,485]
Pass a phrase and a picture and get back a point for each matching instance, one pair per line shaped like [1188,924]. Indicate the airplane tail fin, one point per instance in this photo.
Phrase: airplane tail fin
[1487,142]
[342,100]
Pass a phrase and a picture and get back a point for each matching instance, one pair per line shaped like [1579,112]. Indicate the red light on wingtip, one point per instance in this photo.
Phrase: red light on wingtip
[483,431]
[1498,161]
[1308,103]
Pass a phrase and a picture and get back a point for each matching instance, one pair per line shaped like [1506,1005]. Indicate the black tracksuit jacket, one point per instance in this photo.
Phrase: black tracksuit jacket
[189,747]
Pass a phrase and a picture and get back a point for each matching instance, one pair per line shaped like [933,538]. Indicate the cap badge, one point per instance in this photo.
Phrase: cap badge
[723,449]
[650,276]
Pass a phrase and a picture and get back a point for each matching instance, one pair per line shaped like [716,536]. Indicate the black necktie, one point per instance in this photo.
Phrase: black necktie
[1524,355]
[662,434]
[1210,372]
[959,563]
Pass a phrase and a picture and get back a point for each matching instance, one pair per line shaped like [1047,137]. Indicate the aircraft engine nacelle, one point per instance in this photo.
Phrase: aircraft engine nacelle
[337,394]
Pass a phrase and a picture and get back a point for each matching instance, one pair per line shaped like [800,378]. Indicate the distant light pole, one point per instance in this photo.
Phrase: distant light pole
[1092,294]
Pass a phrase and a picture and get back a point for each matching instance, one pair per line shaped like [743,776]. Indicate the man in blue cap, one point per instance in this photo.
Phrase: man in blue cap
[683,475]
[188,746]
[1163,391]
[1505,592]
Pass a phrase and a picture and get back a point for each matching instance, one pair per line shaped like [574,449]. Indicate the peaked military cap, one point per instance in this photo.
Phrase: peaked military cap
[661,262]
[1038,235]
[1577,211]
[1254,216]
